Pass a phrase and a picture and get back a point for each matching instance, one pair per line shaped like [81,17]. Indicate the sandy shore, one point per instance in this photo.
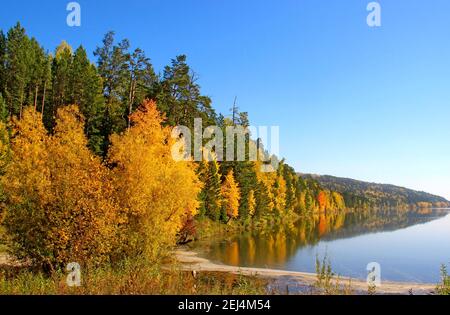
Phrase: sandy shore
[191,261]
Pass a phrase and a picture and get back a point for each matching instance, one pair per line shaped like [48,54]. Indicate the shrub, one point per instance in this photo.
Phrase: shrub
[59,205]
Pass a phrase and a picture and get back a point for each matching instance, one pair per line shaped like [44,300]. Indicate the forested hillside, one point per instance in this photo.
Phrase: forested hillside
[85,160]
[359,194]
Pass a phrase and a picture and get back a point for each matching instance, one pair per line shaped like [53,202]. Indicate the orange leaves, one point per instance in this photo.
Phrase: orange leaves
[322,200]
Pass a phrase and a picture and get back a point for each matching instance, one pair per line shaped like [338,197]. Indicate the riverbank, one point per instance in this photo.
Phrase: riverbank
[292,281]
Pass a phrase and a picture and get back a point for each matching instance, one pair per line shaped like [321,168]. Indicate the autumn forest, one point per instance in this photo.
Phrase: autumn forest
[86,168]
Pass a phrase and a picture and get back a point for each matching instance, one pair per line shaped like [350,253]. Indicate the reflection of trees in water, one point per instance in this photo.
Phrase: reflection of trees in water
[275,246]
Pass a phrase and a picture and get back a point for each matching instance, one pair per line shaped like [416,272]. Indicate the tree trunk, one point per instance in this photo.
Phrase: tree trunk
[36,96]
[43,98]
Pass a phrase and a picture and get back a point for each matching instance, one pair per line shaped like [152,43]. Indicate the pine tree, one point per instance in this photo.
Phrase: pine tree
[263,203]
[46,88]
[180,98]
[113,67]
[210,196]
[142,80]
[3,110]
[85,90]
[2,61]
[61,77]
[37,66]
[16,69]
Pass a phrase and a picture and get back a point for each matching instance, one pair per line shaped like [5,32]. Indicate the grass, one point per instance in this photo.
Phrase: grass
[129,278]
[444,287]
[328,283]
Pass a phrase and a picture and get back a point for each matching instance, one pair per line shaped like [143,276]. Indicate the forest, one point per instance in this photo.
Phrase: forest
[363,195]
[87,174]
[86,171]
[85,163]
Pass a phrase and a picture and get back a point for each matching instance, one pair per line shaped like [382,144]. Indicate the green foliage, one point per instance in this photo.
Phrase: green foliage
[328,283]
[180,98]
[130,277]
[210,196]
[107,95]
[128,78]
[3,109]
[444,287]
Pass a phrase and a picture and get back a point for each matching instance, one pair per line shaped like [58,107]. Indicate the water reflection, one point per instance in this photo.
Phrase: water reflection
[279,246]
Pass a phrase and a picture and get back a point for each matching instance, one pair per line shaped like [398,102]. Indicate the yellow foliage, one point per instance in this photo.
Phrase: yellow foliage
[231,194]
[251,203]
[59,201]
[4,147]
[155,193]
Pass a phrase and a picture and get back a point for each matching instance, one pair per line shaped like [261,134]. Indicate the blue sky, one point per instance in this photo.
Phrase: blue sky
[353,101]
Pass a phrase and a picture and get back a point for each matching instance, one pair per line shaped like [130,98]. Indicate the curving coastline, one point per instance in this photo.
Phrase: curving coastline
[190,261]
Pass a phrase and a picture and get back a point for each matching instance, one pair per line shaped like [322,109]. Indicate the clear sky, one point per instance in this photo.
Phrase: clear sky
[353,101]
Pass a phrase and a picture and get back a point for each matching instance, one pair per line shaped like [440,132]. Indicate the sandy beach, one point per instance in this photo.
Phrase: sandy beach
[190,260]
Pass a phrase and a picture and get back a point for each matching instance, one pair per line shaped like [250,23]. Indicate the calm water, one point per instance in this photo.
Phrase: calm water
[408,246]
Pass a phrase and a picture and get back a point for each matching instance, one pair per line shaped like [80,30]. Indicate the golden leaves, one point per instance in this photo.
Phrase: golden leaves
[156,193]
[231,195]
[58,205]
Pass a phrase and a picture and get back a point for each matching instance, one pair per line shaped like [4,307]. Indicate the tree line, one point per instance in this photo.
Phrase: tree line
[85,156]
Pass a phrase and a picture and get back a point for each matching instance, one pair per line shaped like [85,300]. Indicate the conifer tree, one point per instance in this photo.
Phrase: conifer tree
[85,90]
[210,196]
[3,109]
[180,98]
[16,69]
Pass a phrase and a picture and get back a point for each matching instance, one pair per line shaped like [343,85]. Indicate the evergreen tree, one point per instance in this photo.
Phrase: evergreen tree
[210,196]
[113,67]
[263,202]
[37,72]
[180,97]
[61,77]
[86,91]
[142,80]
[47,83]
[3,110]
[16,69]
[2,61]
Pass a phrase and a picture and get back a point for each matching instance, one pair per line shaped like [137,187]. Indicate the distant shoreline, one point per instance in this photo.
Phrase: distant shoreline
[190,261]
